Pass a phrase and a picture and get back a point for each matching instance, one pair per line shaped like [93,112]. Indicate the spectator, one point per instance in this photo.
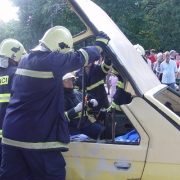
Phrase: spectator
[157,64]
[147,53]
[168,68]
[112,81]
[172,54]
[177,59]
[152,57]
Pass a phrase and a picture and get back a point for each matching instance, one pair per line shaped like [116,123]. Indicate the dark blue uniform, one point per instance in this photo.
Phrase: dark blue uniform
[95,83]
[89,128]
[6,76]
[35,123]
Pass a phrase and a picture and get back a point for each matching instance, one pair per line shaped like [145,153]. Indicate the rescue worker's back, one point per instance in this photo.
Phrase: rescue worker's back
[36,103]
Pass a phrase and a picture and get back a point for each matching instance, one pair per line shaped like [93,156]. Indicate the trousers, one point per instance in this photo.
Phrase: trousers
[18,164]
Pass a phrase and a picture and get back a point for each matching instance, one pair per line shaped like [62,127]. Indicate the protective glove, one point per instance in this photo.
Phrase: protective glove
[102,40]
[78,108]
[94,102]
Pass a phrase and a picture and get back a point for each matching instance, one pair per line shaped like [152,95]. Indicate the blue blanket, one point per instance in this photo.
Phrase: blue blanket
[131,136]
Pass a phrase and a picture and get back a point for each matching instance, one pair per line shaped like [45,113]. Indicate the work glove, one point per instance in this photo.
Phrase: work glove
[102,40]
[78,108]
[94,102]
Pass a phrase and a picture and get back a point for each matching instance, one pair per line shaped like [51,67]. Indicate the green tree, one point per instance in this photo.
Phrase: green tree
[151,23]
[38,16]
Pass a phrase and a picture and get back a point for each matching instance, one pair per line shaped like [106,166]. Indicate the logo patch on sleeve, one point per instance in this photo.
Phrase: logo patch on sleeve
[4,80]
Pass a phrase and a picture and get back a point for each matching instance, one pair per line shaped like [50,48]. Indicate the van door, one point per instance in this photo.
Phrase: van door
[108,161]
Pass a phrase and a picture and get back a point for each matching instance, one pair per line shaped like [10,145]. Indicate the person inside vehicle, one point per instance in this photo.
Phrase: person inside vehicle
[11,51]
[73,107]
[35,129]
[95,75]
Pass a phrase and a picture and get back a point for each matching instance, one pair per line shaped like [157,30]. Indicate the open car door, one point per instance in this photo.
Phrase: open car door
[105,159]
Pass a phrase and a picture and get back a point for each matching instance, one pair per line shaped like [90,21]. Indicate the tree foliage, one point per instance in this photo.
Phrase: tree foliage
[151,23]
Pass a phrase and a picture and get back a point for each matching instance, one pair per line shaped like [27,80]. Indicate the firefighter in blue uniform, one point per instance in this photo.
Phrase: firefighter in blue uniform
[95,75]
[35,128]
[11,51]
[73,107]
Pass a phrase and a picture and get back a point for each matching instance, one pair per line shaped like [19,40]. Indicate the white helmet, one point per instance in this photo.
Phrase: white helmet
[11,48]
[58,39]
[68,75]
[140,49]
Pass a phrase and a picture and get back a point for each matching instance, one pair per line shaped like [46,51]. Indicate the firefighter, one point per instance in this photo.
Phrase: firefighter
[141,51]
[73,107]
[121,96]
[11,51]
[95,75]
[35,128]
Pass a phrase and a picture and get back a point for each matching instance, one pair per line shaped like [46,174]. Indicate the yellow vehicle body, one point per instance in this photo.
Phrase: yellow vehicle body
[157,154]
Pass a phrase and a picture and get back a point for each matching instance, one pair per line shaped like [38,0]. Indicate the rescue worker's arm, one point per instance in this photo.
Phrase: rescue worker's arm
[102,40]
[72,113]
[64,63]
[91,101]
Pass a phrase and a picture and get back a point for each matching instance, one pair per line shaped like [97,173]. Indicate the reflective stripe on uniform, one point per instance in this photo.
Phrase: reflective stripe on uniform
[79,114]
[76,87]
[35,74]
[106,66]
[30,145]
[4,98]
[115,72]
[86,56]
[95,85]
[120,84]
[89,109]
[114,105]
[77,117]
[66,113]
[105,41]
[1,133]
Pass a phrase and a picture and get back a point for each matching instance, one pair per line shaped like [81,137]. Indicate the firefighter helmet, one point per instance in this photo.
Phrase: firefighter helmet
[11,48]
[140,49]
[58,39]
[68,75]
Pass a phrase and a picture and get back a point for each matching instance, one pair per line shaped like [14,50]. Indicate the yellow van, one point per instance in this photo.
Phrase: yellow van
[156,155]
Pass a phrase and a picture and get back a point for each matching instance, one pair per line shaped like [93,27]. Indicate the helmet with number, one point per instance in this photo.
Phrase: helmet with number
[11,48]
[140,49]
[58,39]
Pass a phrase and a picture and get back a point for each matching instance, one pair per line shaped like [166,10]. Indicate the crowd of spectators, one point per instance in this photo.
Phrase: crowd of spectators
[166,66]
